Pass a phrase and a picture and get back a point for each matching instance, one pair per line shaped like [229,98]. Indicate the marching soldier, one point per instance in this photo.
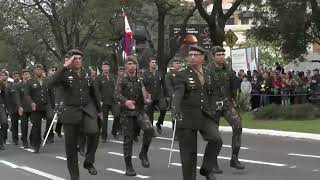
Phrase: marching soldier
[131,94]
[4,124]
[25,106]
[224,91]
[14,108]
[192,111]
[154,85]
[170,82]
[38,95]
[106,84]
[81,108]
[3,117]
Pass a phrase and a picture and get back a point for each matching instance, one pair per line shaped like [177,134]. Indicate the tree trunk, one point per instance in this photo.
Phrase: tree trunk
[161,28]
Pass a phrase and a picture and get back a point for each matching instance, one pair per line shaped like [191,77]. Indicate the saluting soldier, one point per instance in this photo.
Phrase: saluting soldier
[14,108]
[224,91]
[154,84]
[25,106]
[38,94]
[131,94]
[81,108]
[106,84]
[193,113]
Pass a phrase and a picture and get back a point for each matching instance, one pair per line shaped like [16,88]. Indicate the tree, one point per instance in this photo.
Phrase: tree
[217,19]
[290,24]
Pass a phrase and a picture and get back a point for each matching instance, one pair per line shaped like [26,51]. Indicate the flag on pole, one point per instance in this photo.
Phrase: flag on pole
[127,48]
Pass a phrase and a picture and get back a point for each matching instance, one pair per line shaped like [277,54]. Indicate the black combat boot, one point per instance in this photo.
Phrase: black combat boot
[209,176]
[129,169]
[1,144]
[235,163]
[144,159]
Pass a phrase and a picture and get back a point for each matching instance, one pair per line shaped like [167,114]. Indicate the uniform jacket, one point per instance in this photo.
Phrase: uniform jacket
[130,89]
[106,88]
[191,99]
[153,84]
[12,97]
[80,98]
[23,100]
[170,82]
[38,94]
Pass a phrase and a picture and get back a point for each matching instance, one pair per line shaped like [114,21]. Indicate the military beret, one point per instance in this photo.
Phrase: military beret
[15,72]
[216,49]
[53,67]
[197,48]
[25,70]
[316,69]
[39,66]
[74,52]
[105,63]
[132,59]
[177,60]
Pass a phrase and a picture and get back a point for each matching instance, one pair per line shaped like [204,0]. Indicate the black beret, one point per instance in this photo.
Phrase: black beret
[177,60]
[105,63]
[74,52]
[216,49]
[15,72]
[25,70]
[197,48]
[132,59]
[39,66]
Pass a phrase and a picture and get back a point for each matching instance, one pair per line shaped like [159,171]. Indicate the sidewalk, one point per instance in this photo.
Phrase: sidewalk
[268,132]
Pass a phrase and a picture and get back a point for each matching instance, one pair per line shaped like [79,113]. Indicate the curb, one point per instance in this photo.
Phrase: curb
[267,132]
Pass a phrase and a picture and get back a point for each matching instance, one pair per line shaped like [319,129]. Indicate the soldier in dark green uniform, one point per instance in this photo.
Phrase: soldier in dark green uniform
[131,94]
[3,117]
[81,108]
[38,94]
[170,82]
[106,83]
[154,84]
[191,108]
[25,106]
[224,90]
[13,107]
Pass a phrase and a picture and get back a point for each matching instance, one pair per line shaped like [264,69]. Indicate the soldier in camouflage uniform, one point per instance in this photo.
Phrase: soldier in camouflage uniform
[224,91]
[131,94]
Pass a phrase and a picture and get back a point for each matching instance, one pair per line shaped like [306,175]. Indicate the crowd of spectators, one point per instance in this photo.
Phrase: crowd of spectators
[278,87]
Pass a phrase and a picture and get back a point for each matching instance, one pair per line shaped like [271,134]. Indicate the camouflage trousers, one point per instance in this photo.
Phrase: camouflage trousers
[233,118]
[129,124]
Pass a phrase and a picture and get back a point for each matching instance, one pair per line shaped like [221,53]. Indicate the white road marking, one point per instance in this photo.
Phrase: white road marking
[228,146]
[243,160]
[123,172]
[119,154]
[62,158]
[114,141]
[292,167]
[28,149]
[179,164]
[315,170]
[304,155]
[34,171]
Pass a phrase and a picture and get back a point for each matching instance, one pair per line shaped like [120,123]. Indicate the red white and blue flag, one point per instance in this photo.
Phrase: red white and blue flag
[127,47]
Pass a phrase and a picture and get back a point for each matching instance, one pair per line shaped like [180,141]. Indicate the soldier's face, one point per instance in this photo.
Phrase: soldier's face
[131,67]
[16,77]
[153,64]
[105,68]
[38,72]
[52,71]
[4,77]
[26,76]
[195,58]
[219,57]
[77,62]
[176,66]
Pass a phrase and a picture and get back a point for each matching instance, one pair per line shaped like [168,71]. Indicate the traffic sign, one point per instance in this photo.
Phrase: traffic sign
[230,38]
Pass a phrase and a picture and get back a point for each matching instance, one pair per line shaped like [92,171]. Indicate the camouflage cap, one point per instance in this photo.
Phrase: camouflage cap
[132,59]
[15,72]
[74,52]
[106,63]
[38,66]
[25,70]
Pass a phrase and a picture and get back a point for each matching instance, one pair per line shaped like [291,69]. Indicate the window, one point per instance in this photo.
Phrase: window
[230,21]
[245,20]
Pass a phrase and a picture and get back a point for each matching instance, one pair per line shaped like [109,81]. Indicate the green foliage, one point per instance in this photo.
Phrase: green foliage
[289,24]
[292,112]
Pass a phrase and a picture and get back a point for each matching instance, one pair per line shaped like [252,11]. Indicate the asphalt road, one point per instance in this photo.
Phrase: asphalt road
[265,157]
